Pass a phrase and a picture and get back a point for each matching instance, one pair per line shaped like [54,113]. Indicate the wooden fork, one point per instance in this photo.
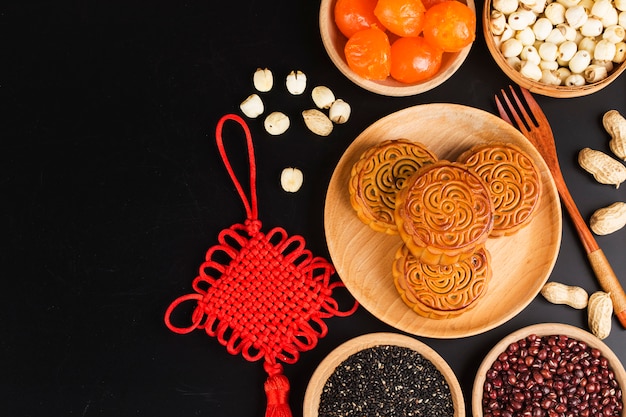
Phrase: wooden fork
[540,134]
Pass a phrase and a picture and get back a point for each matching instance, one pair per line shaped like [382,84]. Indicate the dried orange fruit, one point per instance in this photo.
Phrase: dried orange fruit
[401,17]
[368,53]
[413,59]
[354,15]
[430,3]
[450,25]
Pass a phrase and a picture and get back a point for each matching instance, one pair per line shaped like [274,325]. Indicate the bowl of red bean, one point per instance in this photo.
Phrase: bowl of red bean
[551,370]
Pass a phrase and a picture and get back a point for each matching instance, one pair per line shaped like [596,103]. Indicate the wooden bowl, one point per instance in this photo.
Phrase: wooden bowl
[327,367]
[521,263]
[334,42]
[535,86]
[544,329]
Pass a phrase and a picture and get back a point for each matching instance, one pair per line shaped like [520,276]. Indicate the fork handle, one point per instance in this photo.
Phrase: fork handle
[609,283]
[587,239]
[604,273]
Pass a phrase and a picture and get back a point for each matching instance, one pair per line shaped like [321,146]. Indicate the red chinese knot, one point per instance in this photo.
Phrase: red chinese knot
[261,295]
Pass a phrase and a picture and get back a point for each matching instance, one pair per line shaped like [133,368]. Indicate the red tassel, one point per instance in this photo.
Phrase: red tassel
[277,392]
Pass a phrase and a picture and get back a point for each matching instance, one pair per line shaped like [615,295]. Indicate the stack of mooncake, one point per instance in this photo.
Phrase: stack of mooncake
[444,212]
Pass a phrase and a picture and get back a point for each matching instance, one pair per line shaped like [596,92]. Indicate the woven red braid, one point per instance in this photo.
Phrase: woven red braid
[261,295]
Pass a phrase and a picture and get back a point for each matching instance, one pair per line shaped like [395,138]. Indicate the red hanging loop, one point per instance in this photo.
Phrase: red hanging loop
[250,205]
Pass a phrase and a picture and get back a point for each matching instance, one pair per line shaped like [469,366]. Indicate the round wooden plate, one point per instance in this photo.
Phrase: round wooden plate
[521,263]
[341,353]
[543,329]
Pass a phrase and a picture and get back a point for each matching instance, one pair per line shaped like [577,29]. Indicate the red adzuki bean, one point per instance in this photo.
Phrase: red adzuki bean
[551,376]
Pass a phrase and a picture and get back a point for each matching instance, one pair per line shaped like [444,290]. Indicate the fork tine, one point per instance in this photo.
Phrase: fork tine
[529,120]
[536,110]
[518,121]
[503,114]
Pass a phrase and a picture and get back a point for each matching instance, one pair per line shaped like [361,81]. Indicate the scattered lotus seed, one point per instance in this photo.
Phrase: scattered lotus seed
[296,82]
[252,106]
[322,96]
[276,123]
[339,111]
[291,179]
[263,80]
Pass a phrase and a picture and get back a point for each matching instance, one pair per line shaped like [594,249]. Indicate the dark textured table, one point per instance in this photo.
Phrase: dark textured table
[112,190]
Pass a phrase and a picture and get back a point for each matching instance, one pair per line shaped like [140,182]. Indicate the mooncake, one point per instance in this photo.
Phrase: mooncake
[443,212]
[441,291]
[513,181]
[378,175]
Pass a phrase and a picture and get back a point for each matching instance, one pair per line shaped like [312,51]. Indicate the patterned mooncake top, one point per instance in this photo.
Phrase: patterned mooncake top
[441,291]
[377,177]
[513,181]
[443,212]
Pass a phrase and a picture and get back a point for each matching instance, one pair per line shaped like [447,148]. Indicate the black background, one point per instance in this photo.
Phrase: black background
[111,191]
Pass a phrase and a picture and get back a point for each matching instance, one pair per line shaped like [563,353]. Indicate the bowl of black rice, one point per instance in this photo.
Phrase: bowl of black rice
[383,375]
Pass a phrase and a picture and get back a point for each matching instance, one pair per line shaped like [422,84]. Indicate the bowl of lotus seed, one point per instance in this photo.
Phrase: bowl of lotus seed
[557,48]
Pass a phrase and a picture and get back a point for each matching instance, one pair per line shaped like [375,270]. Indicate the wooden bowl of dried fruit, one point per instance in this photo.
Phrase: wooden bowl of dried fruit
[556,50]
[384,374]
[394,55]
[550,369]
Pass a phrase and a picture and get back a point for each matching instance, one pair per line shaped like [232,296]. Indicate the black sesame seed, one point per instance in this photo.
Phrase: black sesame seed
[386,381]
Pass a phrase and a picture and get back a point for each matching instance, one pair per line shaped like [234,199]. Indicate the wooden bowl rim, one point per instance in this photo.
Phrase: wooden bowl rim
[389,87]
[535,86]
[328,365]
[543,329]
